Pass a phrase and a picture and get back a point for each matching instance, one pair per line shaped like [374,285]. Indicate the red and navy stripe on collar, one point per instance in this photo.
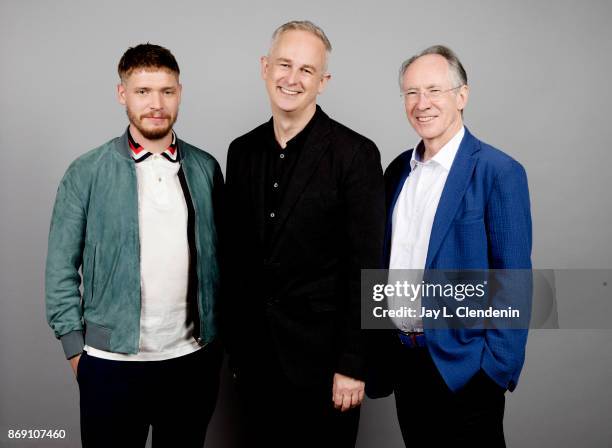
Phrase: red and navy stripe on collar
[139,153]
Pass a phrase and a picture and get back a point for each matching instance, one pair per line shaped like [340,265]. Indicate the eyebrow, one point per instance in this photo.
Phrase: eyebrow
[430,86]
[311,67]
[161,88]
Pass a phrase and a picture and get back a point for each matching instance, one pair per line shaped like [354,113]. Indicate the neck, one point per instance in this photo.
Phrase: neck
[434,145]
[287,125]
[154,146]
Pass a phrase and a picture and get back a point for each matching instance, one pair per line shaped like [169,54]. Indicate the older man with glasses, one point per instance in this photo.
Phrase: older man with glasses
[454,203]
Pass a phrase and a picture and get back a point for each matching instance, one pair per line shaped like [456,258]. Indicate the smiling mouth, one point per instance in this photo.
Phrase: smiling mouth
[288,92]
[424,119]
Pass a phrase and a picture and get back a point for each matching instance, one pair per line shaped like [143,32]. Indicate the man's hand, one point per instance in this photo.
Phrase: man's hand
[74,363]
[347,392]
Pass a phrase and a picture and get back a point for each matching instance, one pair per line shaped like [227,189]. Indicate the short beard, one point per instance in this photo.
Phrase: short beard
[150,134]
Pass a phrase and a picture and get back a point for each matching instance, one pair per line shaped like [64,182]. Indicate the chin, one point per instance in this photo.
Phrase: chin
[155,133]
[426,132]
[286,107]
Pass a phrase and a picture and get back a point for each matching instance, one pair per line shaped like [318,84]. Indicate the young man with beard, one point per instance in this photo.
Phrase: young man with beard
[305,203]
[138,216]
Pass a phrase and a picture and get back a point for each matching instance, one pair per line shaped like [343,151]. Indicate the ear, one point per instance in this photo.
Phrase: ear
[179,91]
[264,66]
[462,97]
[121,93]
[324,80]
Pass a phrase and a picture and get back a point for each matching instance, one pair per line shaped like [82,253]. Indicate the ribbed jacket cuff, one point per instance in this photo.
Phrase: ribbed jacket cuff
[73,343]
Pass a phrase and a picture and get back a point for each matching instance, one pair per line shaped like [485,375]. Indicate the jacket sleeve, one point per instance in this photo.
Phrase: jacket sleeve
[508,220]
[363,190]
[64,258]
[237,253]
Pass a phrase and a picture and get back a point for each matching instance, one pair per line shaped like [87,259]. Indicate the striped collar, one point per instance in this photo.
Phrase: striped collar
[139,154]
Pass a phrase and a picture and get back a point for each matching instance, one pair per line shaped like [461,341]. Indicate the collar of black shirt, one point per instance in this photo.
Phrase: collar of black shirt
[299,139]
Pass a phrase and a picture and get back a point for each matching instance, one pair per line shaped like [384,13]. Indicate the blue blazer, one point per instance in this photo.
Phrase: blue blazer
[483,221]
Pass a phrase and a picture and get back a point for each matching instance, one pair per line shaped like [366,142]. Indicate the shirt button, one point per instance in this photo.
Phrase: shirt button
[272,215]
[282,156]
[275,184]
[159,179]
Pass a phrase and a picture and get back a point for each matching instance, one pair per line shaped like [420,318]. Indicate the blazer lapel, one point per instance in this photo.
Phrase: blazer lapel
[315,146]
[456,184]
[258,173]
[400,184]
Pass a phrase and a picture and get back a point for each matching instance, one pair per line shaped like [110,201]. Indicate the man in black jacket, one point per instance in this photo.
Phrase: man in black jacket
[305,208]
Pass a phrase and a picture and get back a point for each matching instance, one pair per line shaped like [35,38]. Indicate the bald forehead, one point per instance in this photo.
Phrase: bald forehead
[426,71]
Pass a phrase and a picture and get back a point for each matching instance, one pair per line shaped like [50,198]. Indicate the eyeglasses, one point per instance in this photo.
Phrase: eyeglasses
[433,93]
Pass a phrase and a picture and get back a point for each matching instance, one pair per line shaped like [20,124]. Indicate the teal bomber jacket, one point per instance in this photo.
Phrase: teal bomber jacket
[94,227]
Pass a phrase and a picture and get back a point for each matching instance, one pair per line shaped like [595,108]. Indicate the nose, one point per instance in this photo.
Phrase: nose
[156,100]
[423,102]
[293,76]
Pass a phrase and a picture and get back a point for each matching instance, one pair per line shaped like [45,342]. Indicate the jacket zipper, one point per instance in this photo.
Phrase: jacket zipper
[137,243]
[198,256]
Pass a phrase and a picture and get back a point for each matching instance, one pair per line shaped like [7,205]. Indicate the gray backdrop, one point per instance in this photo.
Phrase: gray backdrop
[540,89]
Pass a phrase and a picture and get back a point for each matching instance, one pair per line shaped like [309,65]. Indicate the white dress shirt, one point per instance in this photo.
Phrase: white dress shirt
[413,218]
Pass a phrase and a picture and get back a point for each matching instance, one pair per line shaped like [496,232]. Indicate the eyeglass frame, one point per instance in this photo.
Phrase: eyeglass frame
[428,94]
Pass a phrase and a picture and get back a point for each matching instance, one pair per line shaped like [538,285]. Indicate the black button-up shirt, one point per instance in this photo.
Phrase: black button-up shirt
[280,164]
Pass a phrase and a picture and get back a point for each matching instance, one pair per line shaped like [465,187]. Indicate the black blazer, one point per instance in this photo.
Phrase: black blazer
[302,302]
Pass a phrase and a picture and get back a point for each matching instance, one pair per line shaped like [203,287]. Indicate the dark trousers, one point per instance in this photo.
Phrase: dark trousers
[278,413]
[121,399]
[430,414]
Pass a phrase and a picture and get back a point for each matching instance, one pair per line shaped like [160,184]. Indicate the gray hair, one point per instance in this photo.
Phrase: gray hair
[303,25]
[457,72]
